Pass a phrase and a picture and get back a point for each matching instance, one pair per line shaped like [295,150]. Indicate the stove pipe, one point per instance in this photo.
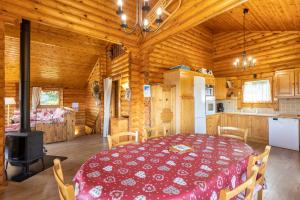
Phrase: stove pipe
[25,77]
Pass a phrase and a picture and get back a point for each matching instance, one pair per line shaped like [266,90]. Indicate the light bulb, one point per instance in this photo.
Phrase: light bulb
[245,63]
[120,3]
[250,58]
[123,18]
[159,11]
[254,61]
[146,23]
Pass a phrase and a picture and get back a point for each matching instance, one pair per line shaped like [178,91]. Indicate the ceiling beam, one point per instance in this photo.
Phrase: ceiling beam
[191,14]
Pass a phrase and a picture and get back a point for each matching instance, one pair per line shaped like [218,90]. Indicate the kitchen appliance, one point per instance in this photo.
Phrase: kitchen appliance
[220,107]
[284,132]
[210,107]
[199,103]
[209,90]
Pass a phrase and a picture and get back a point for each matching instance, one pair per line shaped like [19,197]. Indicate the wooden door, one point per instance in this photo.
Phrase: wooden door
[259,129]
[220,88]
[187,118]
[297,82]
[285,83]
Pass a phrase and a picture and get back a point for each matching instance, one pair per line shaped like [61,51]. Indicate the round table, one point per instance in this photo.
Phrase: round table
[151,171]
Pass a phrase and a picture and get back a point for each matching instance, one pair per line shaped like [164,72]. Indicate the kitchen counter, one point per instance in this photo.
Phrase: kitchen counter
[292,116]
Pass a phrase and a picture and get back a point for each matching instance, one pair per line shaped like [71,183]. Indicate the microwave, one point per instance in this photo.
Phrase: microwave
[209,90]
[210,107]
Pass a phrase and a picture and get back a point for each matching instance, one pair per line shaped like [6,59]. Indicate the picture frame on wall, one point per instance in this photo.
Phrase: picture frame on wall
[147,91]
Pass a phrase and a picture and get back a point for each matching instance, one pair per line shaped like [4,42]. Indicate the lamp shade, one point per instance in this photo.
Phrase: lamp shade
[9,101]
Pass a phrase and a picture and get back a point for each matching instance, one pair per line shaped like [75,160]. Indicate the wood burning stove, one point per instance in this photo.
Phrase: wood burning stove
[24,147]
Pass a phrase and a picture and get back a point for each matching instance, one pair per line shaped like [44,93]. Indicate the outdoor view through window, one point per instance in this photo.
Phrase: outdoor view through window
[49,98]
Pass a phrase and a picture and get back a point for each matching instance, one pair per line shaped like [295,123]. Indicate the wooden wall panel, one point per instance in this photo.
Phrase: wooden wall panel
[118,69]
[192,48]
[94,112]
[2,120]
[92,109]
[136,82]
[76,95]
[273,50]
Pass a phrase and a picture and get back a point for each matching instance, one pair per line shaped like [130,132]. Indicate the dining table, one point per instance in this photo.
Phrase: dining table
[152,170]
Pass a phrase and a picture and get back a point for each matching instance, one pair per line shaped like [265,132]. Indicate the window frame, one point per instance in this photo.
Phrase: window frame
[259,104]
[60,93]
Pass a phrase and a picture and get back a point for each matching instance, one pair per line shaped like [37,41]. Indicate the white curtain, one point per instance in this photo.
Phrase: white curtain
[257,92]
[36,91]
[107,97]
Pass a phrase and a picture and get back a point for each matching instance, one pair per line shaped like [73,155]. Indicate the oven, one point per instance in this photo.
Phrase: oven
[210,105]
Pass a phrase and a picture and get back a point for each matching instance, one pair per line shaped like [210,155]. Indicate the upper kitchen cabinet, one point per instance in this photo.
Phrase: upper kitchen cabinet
[297,82]
[287,83]
[220,88]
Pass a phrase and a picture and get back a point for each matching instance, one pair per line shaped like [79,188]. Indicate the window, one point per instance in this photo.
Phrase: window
[258,91]
[50,98]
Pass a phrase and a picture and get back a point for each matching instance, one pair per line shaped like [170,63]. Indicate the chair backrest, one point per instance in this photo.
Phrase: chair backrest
[66,191]
[154,132]
[114,140]
[247,187]
[228,132]
[260,161]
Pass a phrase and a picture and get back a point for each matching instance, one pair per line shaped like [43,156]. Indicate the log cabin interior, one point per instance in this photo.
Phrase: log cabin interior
[204,93]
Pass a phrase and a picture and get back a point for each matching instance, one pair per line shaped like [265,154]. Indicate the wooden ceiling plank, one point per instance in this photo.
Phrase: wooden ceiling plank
[20,8]
[191,13]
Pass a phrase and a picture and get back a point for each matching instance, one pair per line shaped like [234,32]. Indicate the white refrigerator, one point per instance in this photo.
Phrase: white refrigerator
[199,100]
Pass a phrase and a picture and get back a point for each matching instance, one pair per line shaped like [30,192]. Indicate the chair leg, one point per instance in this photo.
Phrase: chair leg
[260,194]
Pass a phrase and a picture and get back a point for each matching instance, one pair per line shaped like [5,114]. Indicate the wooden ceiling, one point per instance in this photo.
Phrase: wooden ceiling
[264,15]
[58,58]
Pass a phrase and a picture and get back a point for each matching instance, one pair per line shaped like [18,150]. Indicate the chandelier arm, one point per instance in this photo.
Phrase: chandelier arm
[244,29]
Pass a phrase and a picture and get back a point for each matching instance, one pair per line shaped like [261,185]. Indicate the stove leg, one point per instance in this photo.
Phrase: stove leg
[43,163]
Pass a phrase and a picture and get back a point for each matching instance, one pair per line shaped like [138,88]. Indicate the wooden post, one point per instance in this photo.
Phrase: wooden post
[136,82]
[2,110]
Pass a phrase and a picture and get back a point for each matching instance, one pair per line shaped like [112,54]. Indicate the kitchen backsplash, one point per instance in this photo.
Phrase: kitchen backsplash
[289,106]
[286,106]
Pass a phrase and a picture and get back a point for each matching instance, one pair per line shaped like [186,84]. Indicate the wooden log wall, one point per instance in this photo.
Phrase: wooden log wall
[76,95]
[192,48]
[118,69]
[273,50]
[136,82]
[94,113]
[2,120]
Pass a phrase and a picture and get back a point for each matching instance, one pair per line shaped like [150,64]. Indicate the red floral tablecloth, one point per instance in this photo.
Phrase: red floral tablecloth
[150,171]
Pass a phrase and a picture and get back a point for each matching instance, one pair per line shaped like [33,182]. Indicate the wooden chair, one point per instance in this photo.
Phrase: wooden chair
[243,133]
[155,132]
[247,187]
[114,140]
[260,161]
[66,191]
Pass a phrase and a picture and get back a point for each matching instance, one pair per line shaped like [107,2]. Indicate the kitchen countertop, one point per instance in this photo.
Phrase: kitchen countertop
[293,116]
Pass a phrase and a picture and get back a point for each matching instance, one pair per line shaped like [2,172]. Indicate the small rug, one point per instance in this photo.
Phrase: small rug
[14,173]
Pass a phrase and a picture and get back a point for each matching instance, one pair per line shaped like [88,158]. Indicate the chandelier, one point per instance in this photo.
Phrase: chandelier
[147,19]
[245,61]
